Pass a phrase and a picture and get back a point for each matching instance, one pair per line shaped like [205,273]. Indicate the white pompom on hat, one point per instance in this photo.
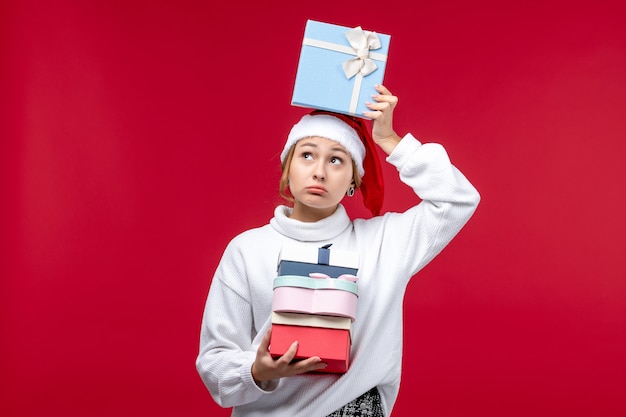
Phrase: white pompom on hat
[329,127]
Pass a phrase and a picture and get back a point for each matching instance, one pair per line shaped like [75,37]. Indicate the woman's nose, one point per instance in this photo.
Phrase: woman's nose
[319,173]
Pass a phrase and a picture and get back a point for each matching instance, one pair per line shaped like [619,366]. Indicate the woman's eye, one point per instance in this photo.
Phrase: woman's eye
[307,155]
[336,160]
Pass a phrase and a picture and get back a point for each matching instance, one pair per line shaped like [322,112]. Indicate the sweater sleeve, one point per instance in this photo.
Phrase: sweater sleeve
[448,202]
[227,348]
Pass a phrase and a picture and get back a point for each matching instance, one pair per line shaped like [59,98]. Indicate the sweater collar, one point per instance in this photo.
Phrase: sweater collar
[322,230]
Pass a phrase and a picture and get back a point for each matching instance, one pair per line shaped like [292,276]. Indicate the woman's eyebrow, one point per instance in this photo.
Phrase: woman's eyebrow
[339,149]
[315,145]
[311,144]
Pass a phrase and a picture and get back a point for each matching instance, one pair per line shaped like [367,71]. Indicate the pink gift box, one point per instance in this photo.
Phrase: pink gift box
[332,297]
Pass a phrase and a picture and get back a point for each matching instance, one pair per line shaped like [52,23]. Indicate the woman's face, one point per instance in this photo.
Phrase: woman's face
[320,173]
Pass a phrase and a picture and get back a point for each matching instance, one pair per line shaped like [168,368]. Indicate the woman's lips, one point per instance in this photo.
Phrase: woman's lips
[316,189]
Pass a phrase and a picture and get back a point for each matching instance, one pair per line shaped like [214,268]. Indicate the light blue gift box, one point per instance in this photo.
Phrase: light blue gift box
[321,82]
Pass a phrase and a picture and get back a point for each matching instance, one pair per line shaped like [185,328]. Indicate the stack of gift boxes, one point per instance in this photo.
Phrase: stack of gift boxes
[315,291]
[315,302]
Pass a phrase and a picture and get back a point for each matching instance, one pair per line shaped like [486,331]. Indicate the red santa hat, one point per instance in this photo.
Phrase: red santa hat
[353,134]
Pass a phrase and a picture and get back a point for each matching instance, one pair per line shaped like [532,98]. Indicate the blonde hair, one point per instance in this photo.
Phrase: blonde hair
[284,178]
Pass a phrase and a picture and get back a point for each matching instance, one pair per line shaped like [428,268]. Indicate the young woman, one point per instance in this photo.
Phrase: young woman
[324,159]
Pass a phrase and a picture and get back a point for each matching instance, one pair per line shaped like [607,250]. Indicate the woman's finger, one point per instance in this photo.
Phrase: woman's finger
[373,115]
[313,363]
[381,105]
[289,354]
[382,89]
[391,100]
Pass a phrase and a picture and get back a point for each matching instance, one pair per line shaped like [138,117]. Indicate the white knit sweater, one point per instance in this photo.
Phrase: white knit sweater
[392,248]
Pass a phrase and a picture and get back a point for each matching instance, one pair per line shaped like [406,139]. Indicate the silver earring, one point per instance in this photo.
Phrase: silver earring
[350,191]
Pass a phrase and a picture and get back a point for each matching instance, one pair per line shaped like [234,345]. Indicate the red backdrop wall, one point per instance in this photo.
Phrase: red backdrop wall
[138,137]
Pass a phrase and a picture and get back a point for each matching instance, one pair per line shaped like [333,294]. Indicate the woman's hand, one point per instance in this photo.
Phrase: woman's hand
[266,368]
[382,115]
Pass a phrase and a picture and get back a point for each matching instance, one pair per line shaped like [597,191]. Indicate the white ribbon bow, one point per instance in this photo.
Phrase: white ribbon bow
[362,42]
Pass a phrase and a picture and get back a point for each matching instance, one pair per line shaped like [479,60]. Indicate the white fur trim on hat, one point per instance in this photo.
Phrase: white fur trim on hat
[329,127]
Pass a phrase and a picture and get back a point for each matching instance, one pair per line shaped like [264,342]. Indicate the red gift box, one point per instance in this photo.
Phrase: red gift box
[331,345]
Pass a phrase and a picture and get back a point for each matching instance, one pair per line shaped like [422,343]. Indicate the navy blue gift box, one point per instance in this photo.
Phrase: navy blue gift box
[303,260]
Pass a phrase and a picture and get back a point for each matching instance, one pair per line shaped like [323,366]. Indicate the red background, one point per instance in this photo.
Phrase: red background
[138,137]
